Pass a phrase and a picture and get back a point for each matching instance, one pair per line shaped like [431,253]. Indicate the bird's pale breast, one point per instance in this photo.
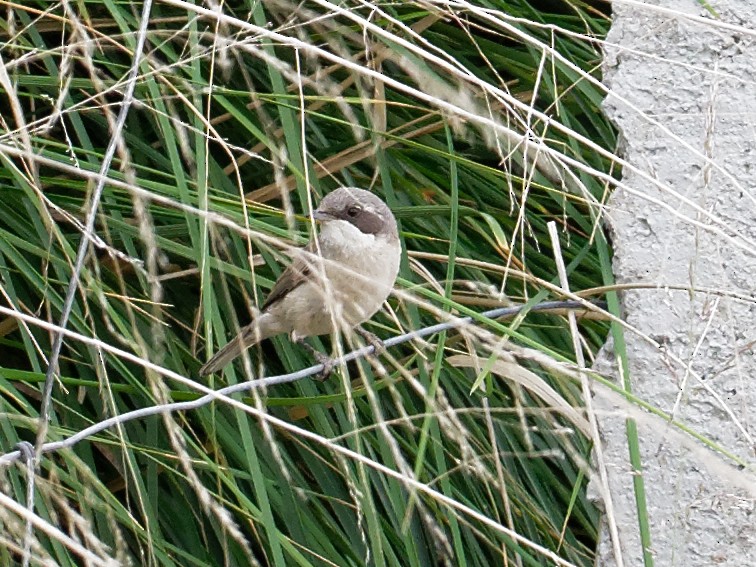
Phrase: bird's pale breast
[360,272]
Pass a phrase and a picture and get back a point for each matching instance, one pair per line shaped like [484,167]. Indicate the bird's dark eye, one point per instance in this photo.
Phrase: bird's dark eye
[354,210]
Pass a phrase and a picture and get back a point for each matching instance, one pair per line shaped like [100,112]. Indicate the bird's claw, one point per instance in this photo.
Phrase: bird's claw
[320,358]
[372,340]
[327,363]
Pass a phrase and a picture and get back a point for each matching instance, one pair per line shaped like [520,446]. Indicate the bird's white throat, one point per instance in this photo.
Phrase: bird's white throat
[343,240]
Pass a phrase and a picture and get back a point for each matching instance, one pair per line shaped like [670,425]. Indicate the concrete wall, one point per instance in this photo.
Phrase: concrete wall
[684,98]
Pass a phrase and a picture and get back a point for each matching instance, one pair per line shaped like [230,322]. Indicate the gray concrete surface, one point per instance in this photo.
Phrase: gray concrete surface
[688,119]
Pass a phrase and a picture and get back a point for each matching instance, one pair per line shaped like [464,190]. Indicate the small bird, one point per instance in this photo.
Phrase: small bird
[337,282]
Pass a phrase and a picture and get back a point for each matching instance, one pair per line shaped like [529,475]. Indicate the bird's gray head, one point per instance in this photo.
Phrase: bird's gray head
[360,208]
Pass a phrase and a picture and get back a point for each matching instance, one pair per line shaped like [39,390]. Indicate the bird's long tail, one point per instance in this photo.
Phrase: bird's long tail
[249,335]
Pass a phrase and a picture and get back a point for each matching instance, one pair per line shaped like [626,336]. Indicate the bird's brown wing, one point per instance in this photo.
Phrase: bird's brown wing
[292,277]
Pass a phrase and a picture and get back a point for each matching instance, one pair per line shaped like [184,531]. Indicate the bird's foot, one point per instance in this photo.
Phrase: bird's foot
[325,360]
[372,340]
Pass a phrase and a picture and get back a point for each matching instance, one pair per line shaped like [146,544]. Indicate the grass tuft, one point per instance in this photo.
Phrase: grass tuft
[477,125]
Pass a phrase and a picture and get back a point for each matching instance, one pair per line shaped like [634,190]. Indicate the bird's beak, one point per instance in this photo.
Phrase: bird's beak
[321,216]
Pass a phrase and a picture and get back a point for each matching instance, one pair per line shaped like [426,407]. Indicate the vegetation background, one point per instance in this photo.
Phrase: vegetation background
[479,123]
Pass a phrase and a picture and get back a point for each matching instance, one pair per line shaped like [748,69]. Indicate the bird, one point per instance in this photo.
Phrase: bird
[339,280]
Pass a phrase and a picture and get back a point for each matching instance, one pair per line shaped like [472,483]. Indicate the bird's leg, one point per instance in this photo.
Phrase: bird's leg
[321,358]
[371,339]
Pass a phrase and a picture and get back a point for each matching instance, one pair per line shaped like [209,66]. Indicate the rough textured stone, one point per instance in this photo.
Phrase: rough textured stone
[684,98]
